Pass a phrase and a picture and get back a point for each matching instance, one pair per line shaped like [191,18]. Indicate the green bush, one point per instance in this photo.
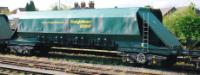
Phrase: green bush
[184,24]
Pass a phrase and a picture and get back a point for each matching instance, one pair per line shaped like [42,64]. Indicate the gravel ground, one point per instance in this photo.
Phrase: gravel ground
[138,69]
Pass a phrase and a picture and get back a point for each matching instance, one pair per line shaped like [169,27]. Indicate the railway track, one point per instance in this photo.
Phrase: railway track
[75,68]
[6,69]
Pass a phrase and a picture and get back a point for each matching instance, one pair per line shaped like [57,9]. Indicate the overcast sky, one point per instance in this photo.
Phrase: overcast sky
[46,4]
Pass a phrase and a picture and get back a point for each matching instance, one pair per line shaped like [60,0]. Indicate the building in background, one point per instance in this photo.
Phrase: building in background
[18,10]
[167,11]
[76,5]
[4,10]
[82,5]
[198,11]
[91,5]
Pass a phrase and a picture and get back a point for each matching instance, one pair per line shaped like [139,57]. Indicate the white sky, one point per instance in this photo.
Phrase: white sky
[46,4]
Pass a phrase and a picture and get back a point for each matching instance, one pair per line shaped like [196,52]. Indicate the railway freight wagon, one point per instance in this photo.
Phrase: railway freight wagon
[5,32]
[137,33]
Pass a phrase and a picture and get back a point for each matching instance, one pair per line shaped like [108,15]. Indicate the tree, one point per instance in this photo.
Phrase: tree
[185,24]
[30,6]
[55,8]
[27,7]
[148,6]
[62,7]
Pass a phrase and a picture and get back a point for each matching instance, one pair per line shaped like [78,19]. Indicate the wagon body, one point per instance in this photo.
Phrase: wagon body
[118,29]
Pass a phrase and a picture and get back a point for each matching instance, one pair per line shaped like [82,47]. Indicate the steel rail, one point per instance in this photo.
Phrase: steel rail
[71,68]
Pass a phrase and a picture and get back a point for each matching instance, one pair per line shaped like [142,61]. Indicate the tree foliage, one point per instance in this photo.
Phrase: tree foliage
[184,23]
[55,8]
[62,7]
[30,6]
[27,6]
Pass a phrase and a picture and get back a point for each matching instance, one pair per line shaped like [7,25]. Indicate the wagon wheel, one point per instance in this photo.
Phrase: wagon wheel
[141,58]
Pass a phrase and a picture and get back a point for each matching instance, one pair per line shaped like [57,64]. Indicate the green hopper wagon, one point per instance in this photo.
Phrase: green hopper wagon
[137,33]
